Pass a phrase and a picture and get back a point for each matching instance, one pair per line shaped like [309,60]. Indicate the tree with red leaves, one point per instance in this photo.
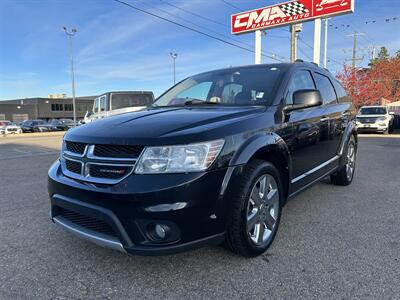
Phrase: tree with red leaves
[371,85]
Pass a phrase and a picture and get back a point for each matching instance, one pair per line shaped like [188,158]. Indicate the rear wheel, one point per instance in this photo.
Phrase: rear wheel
[256,209]
[345,174]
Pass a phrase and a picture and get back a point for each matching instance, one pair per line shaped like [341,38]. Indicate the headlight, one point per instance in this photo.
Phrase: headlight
[179,159]
[381,119]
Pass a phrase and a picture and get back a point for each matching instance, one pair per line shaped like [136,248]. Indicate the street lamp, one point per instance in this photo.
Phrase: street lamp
[70,34]
[174,56]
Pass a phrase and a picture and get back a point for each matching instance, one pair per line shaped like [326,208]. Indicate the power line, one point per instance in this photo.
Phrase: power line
[206,18]
[231,5]
[192,29]
[203,27]
[197,25]
[194,14]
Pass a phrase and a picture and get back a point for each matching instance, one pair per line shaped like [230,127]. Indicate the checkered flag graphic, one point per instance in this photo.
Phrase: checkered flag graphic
[294,8]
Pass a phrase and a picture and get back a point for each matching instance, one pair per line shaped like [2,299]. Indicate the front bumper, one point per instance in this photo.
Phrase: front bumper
[372,127]
[189,206]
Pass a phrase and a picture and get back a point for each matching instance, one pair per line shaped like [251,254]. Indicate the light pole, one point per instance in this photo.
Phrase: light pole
[174,56]
[70,34]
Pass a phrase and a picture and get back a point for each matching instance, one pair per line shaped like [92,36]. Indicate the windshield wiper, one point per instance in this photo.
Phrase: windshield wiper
[198,101]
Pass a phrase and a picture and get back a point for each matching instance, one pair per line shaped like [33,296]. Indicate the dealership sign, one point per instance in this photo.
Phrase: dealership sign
[289,12]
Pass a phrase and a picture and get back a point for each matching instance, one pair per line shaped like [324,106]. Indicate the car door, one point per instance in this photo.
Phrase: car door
[335,114]
[308,129]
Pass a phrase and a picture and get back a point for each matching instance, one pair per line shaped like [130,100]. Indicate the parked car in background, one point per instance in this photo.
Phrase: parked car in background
[3,125]
[214,159]
[374,119]
[27,126]
[115,103]
[55,125]
[13,128]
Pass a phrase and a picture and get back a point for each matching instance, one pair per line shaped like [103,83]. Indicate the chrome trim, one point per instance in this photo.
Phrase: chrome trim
[90,155]
[68,172]
[90,235]
[74,154]
[315,169]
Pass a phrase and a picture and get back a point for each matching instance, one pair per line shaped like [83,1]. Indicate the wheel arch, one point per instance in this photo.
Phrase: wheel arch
[269,147]
[350,130]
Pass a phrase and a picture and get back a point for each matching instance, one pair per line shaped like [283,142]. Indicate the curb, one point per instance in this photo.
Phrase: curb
[34,134]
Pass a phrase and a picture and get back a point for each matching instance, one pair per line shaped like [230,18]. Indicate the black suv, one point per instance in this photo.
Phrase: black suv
[213,160]
[29,125]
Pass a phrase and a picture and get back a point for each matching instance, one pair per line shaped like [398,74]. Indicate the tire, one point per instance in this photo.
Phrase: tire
[251,204]
[386,131]
[344,176]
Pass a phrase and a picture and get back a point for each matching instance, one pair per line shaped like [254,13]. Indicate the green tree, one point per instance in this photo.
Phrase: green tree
[383,54]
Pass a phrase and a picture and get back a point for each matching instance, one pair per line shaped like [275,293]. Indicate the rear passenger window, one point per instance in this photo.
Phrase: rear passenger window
[326,88]
[341,93]
[301,80]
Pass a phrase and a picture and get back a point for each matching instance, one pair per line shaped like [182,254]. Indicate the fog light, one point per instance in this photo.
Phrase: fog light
[160,231]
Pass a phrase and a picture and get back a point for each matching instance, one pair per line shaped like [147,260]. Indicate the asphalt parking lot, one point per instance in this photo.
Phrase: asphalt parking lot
[334,242]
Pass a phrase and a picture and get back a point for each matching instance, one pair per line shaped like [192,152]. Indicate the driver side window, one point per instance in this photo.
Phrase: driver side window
[301,80]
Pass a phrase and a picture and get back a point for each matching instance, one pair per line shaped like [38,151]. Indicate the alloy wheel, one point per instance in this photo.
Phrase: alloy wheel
[350,161]
[263,210]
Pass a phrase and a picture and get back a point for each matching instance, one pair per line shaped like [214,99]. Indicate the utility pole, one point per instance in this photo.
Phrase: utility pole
[70,34]
[257,48]
[294,30]
[317,41]
[354,59]
[174,56]
[326,44]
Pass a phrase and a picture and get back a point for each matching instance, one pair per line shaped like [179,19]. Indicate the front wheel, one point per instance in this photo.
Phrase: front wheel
[256,209]
[345,174]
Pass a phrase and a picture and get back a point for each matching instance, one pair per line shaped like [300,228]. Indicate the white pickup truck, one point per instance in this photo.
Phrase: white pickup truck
[374,119]
[115,103]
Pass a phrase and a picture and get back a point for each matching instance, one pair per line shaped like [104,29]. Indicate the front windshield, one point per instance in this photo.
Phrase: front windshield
[236,86]
[373,111]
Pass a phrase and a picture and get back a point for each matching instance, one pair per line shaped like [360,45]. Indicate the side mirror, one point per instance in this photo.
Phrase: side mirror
[307,98]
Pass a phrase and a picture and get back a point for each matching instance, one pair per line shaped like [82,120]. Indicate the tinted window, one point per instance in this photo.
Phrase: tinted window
[130,100]
[341,92]
[103,103]
[234,86]
[373,111]
[326,88]
[301,80]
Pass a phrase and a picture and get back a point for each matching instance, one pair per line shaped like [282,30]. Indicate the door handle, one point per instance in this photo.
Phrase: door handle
[325,119]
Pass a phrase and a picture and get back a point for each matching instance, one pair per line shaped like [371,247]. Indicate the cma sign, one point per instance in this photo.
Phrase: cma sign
[268,16]
[288,12]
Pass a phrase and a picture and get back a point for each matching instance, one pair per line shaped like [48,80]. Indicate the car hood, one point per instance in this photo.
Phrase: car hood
[13,127]
[165,125]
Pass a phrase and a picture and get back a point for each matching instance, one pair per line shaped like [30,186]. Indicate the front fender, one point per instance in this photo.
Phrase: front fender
[268,141]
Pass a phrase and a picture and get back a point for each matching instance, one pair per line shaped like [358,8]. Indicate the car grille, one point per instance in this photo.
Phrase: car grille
[114,151]
[75,147]
[12,129]
[73,166]
[102,164]
[87,222]
[367,120]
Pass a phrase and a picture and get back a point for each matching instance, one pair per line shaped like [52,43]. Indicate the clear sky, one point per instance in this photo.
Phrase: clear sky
[118,48]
